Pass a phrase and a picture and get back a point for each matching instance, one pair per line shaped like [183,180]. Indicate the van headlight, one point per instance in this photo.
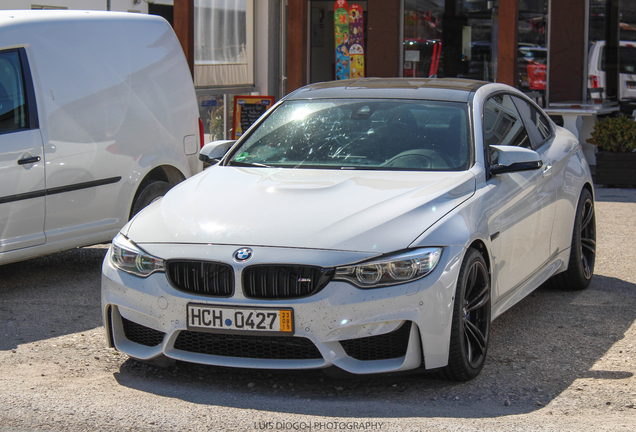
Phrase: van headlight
[128,257]
[391,270]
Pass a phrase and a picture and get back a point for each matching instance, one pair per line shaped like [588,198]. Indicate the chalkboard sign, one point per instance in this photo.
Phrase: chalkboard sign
[247,109]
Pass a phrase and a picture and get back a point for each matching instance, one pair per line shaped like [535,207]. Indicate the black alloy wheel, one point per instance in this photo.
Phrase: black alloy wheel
[588,238]
[580,270]
[470,330]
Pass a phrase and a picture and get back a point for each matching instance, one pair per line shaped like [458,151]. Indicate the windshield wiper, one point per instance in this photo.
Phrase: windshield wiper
[248,164]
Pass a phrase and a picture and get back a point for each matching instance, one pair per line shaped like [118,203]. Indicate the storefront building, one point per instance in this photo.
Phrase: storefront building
[554,50]
[234,48]
[538,46]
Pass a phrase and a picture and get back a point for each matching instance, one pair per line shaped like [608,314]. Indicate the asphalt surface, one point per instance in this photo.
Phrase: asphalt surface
[557,361]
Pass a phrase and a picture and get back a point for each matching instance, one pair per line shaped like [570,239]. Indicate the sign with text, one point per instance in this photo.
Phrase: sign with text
[247,109]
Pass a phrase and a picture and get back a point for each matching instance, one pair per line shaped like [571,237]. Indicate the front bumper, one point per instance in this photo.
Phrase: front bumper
[146,317]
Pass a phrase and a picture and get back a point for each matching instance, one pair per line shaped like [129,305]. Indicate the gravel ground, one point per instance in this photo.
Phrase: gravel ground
[558,361]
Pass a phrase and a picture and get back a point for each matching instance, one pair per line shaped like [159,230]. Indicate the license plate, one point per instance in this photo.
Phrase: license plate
[240,320]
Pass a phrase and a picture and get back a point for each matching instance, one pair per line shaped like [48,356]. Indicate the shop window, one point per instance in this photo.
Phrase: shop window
[223,42]
[598,22]
[212,114]
[449,39]
[322,53]
[532,54]
[459,39]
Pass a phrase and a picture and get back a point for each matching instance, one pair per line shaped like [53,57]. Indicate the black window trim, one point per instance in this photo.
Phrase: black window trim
[503,92]
[486,146]
[29,90]
[541,113]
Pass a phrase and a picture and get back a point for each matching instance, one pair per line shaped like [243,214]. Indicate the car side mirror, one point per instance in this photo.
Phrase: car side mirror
[515,159]
[213,152]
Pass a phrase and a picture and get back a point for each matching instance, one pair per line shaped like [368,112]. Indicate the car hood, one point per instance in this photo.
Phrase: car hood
[364,211]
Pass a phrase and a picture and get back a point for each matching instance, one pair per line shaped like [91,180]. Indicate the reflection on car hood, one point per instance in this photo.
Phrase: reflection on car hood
[366,211]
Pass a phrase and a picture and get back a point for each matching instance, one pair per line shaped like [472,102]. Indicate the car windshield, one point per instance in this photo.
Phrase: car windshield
[360,134]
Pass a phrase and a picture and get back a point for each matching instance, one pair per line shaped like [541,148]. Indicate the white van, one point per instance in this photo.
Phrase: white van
[98,117]
[596,71]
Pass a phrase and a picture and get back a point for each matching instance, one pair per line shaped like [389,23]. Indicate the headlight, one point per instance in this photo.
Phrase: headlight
[126,256]
[391,270]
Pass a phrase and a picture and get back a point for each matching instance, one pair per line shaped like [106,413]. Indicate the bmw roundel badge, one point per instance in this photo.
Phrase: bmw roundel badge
[242,254]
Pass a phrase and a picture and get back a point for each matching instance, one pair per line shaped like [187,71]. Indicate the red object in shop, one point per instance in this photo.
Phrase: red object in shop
[412,68]
[437,52]
[536,76]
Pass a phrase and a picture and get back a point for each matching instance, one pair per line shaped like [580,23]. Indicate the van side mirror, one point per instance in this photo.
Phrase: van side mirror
[213,152]
[514,159]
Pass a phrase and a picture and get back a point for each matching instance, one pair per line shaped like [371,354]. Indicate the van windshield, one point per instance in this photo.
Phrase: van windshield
[381,134]
[626,59]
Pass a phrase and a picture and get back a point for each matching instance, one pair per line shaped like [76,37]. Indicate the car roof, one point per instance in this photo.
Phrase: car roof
[442,89]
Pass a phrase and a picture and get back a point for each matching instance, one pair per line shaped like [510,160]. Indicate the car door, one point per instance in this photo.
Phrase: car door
[542,138]
[523,221]
[22,188]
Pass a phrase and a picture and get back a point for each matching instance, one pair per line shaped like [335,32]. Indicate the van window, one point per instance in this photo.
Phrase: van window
[13,109]
[626,59]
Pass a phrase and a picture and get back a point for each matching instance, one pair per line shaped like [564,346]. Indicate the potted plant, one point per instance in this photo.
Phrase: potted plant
[615,138]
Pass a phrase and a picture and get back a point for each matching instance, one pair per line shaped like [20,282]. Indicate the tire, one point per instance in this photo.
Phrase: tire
[470,329]
[580,270]
[148,194]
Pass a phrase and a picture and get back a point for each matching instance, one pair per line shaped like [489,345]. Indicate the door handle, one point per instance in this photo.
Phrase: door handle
[29,160]
[547,170]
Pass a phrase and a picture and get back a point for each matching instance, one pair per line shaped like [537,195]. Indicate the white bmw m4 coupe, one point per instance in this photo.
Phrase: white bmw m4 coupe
[376,225]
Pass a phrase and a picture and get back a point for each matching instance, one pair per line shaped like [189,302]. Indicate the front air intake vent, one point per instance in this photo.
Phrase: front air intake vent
[246,346]
[382,347]
[284,281]
[206,278]
[141,334]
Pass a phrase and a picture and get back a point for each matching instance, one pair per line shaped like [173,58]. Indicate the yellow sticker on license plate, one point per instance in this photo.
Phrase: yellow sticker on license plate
[285,321]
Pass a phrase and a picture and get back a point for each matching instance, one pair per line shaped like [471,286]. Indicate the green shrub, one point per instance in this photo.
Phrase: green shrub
[615,134]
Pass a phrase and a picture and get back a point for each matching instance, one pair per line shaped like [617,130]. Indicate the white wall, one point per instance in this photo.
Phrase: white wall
[116,5]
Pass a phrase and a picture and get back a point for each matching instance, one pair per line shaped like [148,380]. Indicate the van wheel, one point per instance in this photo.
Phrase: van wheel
[470,328]
[151,192]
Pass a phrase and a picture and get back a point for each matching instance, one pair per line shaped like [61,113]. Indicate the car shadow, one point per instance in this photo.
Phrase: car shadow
[50,296]
[537,350]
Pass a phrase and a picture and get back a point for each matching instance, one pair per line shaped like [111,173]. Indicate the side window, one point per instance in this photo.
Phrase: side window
[503,124]
[13,106]
[537,125]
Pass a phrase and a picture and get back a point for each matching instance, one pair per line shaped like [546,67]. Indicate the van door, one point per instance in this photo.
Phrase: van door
[22,188]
